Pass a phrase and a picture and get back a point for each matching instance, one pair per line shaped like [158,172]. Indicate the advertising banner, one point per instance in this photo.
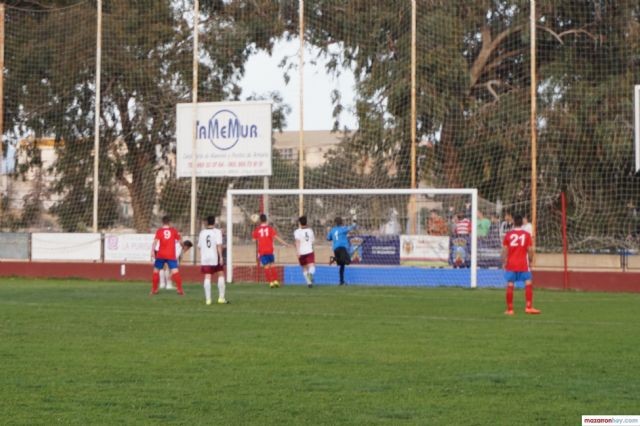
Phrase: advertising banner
[424,250]
[65,246]
[375,250]
[127,247]
[233,139]
[460,251]
[489,253]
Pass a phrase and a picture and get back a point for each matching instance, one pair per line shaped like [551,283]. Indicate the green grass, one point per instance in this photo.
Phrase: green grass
[85,352]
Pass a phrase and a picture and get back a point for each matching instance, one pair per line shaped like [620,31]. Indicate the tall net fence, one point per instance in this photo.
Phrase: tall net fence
[49,90]
[472,117]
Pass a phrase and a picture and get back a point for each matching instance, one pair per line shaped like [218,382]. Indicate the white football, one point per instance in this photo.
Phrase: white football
[254,217]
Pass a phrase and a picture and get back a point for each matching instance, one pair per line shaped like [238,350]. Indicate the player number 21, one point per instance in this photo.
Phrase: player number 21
[516,240]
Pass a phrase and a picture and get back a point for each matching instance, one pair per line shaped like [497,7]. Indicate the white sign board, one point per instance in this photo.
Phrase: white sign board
[128,247]
[65,246]
[233,138]
[424,250]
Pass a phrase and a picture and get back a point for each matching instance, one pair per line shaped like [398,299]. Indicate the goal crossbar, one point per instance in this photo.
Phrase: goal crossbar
[472,192]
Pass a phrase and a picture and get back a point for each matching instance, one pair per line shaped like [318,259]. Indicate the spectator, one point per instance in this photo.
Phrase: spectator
[484,225]
[494,231]
[436,225]
[463,225]
[506,225]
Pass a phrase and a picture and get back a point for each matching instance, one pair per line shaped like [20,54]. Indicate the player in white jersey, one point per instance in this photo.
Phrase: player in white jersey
[304,248]
[211,260]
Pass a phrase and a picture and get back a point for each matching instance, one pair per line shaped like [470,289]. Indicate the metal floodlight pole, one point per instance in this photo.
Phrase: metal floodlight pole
[194,112]
[301,100]
[413,208]
[413,93]
[96,130]
[534,133]
[636,124]
[3,165]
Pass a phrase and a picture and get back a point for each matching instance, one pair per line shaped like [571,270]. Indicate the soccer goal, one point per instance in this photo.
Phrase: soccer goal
[402,237]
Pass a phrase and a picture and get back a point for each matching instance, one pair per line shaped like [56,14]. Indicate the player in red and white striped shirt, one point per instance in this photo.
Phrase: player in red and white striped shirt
[517,254]
[463,225]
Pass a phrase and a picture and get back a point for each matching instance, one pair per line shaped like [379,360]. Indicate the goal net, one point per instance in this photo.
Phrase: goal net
[402,237]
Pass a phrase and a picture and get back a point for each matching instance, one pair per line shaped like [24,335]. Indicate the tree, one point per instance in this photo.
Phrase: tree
[146,70]
[473,95]
[585,92]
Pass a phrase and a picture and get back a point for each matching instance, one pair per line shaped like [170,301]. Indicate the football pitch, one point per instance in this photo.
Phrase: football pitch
[83,352]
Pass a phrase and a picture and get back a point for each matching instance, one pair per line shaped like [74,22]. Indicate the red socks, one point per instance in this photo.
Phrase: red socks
[510,297]
[271,274]
[155,281]
[528,295]
[178,280]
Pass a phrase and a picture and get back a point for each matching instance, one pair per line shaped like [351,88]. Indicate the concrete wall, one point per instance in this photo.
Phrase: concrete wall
[586,262]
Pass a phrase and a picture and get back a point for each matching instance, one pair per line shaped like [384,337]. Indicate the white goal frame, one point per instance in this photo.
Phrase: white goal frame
[636,125]
[473,192]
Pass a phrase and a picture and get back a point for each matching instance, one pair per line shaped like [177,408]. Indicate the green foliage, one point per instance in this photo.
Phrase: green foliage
[473,98]
[210,193]
[473,101]
[146,70]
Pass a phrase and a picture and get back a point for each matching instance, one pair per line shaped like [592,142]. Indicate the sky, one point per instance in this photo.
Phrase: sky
[263,75]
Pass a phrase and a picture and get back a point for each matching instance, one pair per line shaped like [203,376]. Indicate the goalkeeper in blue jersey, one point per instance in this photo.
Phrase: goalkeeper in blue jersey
[340,244]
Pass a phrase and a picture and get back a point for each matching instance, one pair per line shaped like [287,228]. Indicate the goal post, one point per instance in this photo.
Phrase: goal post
[325,204]
[636,126]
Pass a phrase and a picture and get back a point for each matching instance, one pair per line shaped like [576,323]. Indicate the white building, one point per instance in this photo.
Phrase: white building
[316,144]
[38,180]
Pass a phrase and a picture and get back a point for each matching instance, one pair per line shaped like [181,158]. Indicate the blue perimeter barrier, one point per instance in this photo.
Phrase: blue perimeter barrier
[397,276]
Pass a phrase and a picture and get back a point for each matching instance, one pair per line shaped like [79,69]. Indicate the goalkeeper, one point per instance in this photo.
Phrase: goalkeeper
[340,244]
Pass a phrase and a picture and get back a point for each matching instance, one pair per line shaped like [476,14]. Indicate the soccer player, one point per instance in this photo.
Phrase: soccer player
[165,242]
[517,253]
[264,236]
[211,260]
[304,238]
[340,244]
[165,273]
